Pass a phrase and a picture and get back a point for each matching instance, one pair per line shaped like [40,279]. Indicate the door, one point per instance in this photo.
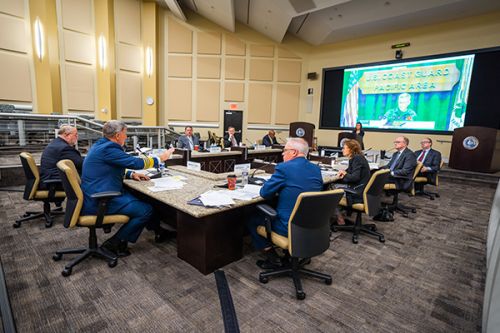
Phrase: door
[234,119]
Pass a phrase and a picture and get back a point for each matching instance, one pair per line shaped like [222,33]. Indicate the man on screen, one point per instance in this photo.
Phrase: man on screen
[402,113]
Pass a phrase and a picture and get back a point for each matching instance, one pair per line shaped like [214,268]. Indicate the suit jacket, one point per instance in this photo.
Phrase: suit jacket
[183,142]
[404,169]
[227,142]
[104,170]
[268,142]
[358,173]
[289,180]
[432,160]
[56,151]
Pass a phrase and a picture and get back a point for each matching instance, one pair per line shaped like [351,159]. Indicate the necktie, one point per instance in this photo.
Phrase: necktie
[421,157]
[233,142]
[393,164]
[191,146]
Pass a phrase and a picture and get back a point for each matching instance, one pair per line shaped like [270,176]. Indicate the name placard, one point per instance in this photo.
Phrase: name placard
[239,168]
[194,166]
[215,149]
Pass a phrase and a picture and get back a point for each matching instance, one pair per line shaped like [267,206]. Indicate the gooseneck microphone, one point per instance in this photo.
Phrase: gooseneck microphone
[152,175]
[257,180]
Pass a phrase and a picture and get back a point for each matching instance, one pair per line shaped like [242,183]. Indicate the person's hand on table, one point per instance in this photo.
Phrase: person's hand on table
[139,176]
[341,174]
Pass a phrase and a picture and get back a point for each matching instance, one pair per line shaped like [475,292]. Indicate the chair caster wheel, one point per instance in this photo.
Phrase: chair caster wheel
[437,195]
[432,198]
[263,279]
[48,224]
[328,281]
[381,239]
[112,263]
[301,295]
[66,272]
[373,228]
[355,239]
[413,210]
[57,257]
[16,224]
[26,214]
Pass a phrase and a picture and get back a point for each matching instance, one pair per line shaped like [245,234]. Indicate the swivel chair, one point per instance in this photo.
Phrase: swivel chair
[391,189]
[370,206]
[308,236]
[32,191]
[422,181]
[72,218]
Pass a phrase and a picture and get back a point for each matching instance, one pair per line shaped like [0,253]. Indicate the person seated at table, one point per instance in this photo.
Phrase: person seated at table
[432,161]
[355,177]
[402,164]
[270,139]
[292,177]
[188,140]
[230,139]
[61,148]
[103,171]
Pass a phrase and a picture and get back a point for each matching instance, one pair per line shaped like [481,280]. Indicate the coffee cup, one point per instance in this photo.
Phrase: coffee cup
[231,182]
[196,147]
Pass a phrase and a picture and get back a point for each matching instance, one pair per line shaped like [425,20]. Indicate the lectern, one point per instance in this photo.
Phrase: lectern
[302,130]
[346,136]
[475,148]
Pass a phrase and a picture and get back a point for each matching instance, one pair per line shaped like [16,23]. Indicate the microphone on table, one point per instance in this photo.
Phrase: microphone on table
[250,142]
[257,180]
[280,139]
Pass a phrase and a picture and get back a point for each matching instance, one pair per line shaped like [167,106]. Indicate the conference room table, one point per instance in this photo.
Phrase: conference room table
[207,237]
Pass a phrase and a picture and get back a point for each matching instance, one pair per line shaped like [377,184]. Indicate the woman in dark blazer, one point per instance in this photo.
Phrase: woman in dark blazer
[356,176]
[360,133]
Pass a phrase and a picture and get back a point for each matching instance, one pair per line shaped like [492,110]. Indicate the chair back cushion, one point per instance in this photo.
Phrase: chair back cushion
[373,190]
[32,175]
[74,194]
[309,224]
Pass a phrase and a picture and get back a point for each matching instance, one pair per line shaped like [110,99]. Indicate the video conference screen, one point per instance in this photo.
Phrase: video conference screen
[428,95]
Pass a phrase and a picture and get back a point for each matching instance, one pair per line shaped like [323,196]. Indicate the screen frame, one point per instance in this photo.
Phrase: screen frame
[389,62]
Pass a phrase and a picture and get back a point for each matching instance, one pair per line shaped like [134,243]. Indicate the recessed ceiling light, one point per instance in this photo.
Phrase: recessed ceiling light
[387,3]
[269,11]
[339,16]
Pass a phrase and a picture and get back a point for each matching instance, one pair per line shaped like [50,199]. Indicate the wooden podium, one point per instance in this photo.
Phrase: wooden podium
[302,130]
[346,136]
[475,148]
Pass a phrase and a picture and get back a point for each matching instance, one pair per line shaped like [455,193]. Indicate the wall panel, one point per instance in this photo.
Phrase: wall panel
[15,84]
[235,68]
[179,66]
[13,33]
[207,101]
[79,47]
[259,103]
[79,87]
[209,43]
[234,92]
[208,67]
[180,38]
[287,103]
[128,21]
[179,96]
[129,95]
[77,15]
[289,71]
[261,69]
[235,46]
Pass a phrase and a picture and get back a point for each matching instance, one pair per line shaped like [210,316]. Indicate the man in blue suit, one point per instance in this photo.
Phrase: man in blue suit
[432,161]
[103,170]
[188,140]
[270,139]
[292,177]
[61,148]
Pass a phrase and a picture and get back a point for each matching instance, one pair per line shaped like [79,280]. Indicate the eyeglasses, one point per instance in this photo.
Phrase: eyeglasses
[425,142]
[398,141]
[288,149]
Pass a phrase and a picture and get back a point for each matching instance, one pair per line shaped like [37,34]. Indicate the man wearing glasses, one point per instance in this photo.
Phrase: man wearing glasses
[431,159]
[61,148]
[402,164]
[292,177]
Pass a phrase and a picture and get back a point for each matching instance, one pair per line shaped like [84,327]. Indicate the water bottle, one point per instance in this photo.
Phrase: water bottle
[244,178]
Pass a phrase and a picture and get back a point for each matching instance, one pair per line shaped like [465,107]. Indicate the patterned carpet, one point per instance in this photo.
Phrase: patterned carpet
[427,277]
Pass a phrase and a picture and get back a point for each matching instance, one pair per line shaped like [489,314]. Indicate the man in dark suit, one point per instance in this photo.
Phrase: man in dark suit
[188,140]
[431,159]
[402,164]
[230,139]
[61,148]
[292,177]
[270,139]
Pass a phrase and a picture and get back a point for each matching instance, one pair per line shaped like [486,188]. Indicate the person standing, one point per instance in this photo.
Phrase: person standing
[360,133]
[104,169]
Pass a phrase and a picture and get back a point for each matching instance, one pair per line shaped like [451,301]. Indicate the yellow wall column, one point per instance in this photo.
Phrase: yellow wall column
[47,77]
[105,69]
[149,84]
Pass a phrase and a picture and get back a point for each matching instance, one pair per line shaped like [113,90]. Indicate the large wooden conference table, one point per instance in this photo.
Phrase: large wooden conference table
[207,238]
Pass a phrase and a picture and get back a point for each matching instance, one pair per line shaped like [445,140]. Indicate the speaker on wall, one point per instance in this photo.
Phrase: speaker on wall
[312,76]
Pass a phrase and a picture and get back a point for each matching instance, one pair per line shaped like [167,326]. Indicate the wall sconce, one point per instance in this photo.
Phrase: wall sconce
[103,58]
[149,61]
[39,38]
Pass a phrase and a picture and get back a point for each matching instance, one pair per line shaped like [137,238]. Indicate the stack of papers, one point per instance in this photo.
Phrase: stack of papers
[216,199]
[167,183]
[248,192]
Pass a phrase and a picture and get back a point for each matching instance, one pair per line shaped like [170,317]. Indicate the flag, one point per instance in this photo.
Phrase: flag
[351,101]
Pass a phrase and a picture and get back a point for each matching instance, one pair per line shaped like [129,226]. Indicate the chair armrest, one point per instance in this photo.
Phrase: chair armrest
[52,185]
[268,210]
[105,195]
[52,181]
[102,205]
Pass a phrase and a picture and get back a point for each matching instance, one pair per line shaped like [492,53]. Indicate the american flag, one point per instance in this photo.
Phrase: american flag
[351,101]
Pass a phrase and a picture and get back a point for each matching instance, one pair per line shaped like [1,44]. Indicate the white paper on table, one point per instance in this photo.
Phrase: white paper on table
[329,173]
[252,189]
[215,198]
[266,177]
[374,166]
[166,183]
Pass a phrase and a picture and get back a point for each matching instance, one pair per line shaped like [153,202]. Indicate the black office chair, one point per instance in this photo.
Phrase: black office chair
[33,192]
[421,181]
[370,206]
[308,236]
[391,189]
[74,194]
